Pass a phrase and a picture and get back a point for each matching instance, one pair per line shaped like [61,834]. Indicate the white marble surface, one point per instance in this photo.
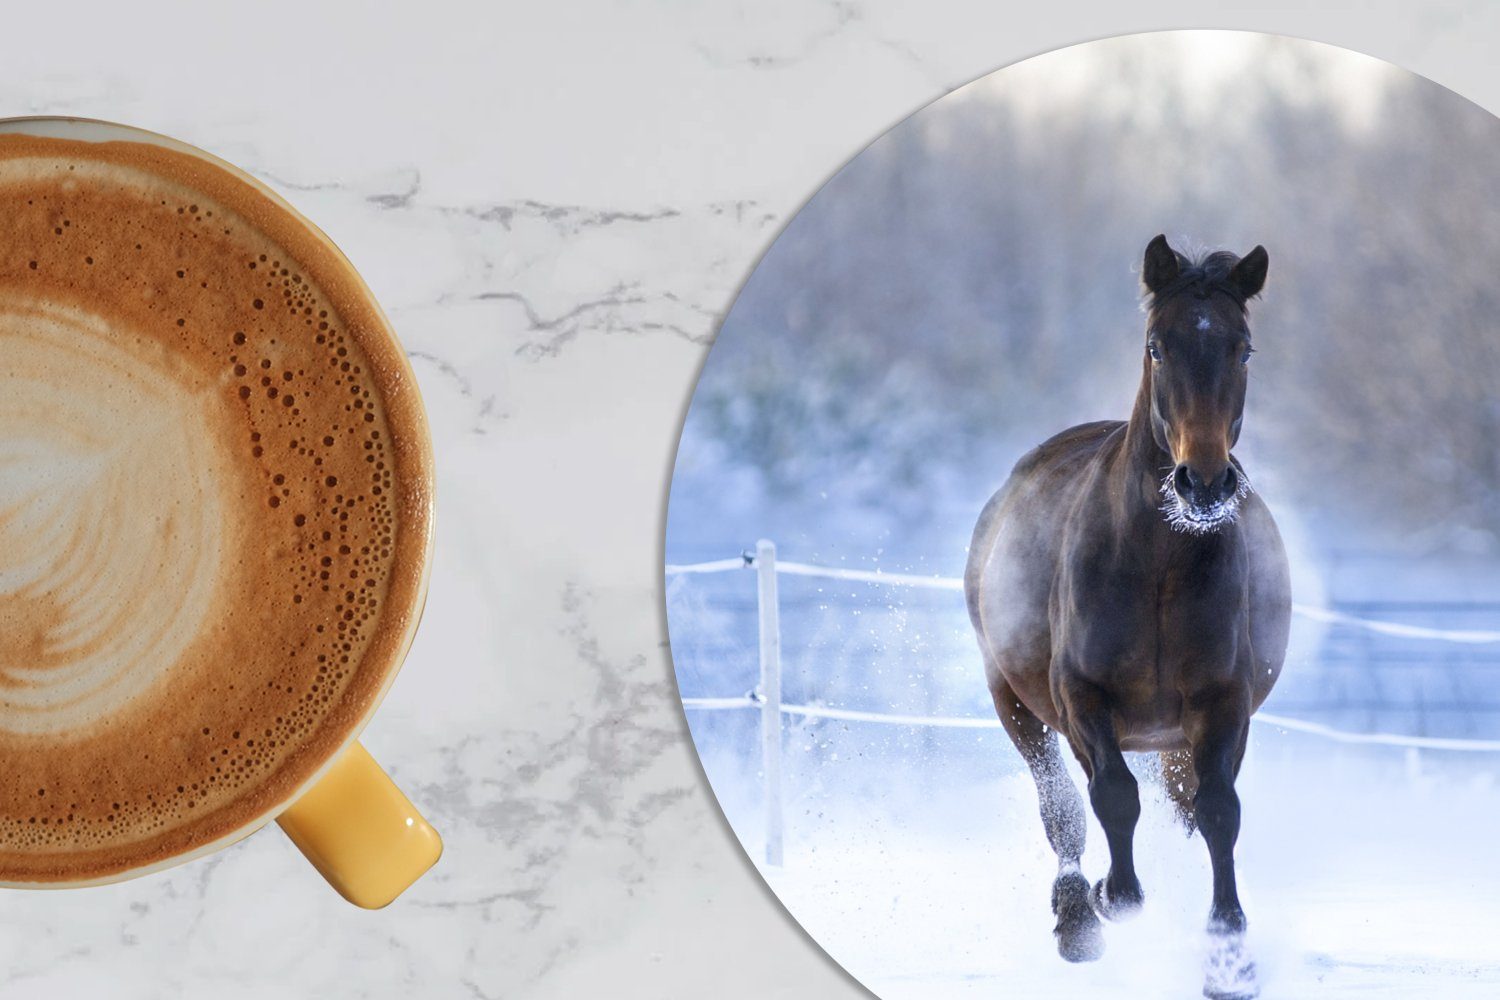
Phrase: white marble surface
[555,202]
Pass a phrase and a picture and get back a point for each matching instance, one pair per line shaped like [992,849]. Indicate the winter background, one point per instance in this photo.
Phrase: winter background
[967,286]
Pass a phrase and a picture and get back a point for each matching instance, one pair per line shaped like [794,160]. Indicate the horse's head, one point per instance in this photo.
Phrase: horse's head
[1197,356]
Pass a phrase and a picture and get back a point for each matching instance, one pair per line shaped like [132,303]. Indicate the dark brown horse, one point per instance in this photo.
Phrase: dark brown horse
[1130,591]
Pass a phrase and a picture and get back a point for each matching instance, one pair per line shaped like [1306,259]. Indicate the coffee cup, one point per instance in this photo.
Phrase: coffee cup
[216,485]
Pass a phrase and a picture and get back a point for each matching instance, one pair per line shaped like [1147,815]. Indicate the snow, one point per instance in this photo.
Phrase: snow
[1364,871]
[915,857]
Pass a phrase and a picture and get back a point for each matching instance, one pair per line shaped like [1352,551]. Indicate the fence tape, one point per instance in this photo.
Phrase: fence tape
[1312,613]
[971,722]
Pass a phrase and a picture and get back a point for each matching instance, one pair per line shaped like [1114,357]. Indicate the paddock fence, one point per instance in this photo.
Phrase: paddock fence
[766,698]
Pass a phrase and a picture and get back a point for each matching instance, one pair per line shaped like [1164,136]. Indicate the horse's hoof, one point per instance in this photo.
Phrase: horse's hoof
[1229,972]
[1213,993]
[1080,937]
[1082,943]
[1115,907]
[1244,992]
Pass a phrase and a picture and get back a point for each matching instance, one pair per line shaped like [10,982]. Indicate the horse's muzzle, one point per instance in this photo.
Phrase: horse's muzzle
[1206,495]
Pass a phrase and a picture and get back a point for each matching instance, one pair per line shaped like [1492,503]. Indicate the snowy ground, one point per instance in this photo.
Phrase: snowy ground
[1365,872]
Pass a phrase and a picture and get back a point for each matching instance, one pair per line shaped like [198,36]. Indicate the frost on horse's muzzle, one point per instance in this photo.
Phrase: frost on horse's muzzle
[1196,518]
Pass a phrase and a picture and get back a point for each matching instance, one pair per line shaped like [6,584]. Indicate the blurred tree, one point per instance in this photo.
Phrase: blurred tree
[967,286]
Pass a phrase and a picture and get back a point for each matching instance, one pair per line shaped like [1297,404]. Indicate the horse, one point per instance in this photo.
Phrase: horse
[1130,590]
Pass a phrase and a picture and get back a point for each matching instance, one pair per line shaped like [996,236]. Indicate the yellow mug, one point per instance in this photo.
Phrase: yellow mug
[349,819]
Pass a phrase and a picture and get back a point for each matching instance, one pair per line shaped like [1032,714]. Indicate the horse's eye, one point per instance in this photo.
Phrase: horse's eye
[1154,351]
[1245,358]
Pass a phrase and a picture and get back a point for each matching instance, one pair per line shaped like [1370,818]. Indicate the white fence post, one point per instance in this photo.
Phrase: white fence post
[770,695]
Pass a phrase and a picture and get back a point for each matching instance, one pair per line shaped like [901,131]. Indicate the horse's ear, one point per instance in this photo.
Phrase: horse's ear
[1249,275]
[1161,266]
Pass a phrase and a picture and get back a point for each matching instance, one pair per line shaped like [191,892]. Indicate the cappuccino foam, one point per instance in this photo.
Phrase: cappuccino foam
[213,510]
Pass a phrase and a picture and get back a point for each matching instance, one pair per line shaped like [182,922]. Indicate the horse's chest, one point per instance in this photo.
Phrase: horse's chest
[1112,639]
[1137,628]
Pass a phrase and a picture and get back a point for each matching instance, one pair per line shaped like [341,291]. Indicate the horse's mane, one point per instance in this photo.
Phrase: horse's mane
[1201,276]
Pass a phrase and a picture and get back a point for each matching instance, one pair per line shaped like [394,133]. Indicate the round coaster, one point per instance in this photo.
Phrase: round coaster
[1082,550]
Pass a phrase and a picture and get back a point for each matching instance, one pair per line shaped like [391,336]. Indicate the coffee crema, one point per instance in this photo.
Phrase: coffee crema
[214,509]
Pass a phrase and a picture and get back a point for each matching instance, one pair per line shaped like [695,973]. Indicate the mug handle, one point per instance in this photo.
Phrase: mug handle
[360,832]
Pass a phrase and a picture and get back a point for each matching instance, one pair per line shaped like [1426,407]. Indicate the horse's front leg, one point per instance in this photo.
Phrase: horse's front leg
[1079,938]
[1113,792]
[1217,724]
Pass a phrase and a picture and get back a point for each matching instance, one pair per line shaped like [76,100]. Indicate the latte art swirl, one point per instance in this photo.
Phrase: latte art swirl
[93,611]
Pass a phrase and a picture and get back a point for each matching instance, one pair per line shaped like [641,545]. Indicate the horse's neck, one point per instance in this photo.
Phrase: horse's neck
[1140,464]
